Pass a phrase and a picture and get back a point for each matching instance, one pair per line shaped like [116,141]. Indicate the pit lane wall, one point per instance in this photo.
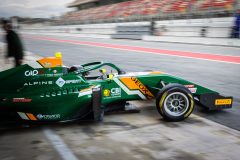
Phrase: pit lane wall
[210,31]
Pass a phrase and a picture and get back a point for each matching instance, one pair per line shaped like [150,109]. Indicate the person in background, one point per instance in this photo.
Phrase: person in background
[236,28]
[152,27]
[14,44]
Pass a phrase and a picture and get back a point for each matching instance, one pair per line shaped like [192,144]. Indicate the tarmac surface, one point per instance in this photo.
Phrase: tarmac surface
[135,136]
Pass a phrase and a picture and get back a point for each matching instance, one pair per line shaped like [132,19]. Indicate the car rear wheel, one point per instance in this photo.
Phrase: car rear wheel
[175,102]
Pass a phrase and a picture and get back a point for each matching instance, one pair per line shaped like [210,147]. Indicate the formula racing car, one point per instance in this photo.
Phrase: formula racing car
[47,91]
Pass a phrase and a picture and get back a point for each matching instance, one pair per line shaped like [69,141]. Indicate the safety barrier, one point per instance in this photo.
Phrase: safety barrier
[183,31]
[215,27]
[131,32]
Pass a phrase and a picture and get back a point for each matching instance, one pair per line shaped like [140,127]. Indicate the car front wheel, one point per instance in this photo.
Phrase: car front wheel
[175,102]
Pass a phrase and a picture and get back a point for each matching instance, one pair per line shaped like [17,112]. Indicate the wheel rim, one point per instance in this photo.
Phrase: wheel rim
[176,104]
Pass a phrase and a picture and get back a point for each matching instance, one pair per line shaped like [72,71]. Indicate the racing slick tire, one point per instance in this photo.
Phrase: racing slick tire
[175,102]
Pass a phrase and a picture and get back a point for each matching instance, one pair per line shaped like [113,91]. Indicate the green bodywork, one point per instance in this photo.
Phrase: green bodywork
[56,94]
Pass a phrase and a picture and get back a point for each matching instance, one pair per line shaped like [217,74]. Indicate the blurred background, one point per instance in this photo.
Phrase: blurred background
[197,40]
[132,19]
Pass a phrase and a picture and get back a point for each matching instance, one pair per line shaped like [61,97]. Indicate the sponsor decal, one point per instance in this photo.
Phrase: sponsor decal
[48,117]
[31,73]
[106,92]
[60,82]
[191,88]
[189,85]
[134,84]
[114,92]
[38,83]
[27,116]
[53,75]
[142,88]
[223,101]
[22,100]
[41,72]
[73,81]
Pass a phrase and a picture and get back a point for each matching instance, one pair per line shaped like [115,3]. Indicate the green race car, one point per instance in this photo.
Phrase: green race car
[47,91]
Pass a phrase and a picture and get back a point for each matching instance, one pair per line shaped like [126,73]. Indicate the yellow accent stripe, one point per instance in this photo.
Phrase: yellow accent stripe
[162,100]
[129,92]
[191,107]
[156,72]
[129,83]
[87,89]
[31,117]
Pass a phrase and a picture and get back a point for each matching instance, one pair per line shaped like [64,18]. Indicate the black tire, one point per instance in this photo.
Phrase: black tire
[175,102]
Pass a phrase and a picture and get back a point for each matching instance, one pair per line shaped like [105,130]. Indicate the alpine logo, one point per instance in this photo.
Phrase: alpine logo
[60,82]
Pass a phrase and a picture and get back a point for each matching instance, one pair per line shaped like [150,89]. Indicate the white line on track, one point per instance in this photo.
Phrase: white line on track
[59,145]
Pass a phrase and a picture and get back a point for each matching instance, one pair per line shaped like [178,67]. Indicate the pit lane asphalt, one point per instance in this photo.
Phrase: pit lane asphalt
[123,137]
[219,76]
